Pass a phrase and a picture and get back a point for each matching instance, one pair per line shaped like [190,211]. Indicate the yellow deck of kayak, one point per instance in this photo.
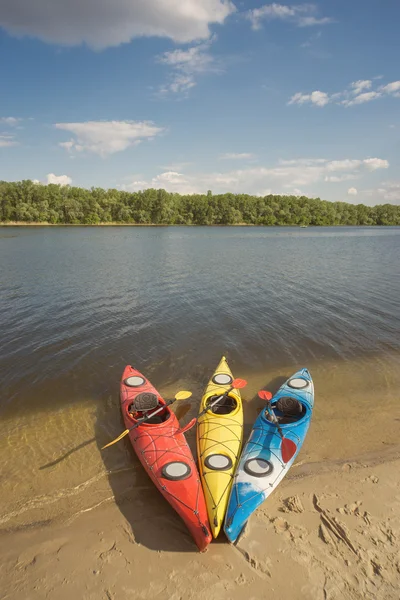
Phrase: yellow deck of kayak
[219,434]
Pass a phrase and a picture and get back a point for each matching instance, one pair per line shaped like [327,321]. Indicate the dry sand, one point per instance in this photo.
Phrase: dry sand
[330,531]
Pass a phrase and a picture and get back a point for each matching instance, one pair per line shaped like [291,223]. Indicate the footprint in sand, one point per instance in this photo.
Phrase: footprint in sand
[292,504]
[354,509]
[371,479]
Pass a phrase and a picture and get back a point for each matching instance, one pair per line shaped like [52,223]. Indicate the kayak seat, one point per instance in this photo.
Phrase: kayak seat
[145,403]
[224,406]
[287,410]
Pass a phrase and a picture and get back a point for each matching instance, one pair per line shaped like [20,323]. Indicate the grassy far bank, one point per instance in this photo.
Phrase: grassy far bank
[25,202]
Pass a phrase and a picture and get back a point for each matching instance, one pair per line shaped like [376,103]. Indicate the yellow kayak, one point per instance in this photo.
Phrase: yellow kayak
[219,441]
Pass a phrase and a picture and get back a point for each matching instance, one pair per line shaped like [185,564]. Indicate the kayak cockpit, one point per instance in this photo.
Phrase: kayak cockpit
[287,410]
[160,417]
[225,406]
[144,405]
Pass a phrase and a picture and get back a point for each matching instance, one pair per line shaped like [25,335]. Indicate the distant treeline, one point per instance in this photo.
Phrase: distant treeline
[29,202]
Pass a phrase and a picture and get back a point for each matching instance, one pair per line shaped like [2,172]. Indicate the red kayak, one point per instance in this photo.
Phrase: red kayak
[164,452]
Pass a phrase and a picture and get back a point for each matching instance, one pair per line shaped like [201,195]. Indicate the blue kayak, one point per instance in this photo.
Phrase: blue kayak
[261,467]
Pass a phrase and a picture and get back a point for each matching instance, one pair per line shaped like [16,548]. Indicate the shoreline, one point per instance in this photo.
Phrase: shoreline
[302,470]
[116,224]
[336,530]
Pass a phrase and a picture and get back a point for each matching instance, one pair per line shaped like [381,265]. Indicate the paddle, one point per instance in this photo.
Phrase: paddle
[237,384]
[288,447]
[183,395]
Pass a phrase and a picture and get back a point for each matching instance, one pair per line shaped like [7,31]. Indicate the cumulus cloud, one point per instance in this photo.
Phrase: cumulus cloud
[373,164]
[107,137]
[7,141]
[318,98]
[59,179]
[352,191]
[285,177]
[391,88]
[301,15]
[101,23]
[348,97]
[185,66]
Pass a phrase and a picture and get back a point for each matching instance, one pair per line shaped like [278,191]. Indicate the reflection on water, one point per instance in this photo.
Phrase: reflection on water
[79,304]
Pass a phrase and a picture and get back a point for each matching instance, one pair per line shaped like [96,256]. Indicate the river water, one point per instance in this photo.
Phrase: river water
[79,303]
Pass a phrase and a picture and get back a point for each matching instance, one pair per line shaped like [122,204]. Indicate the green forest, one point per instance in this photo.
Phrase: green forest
[29,202]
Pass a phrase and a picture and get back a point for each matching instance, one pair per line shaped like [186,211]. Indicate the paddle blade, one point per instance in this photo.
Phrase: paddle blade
[183,395]
[188,426]
[265,395]
[123,434]
[237,384]
[288,449]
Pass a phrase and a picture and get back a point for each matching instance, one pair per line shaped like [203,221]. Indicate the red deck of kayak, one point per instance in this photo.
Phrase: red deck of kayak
[159,444]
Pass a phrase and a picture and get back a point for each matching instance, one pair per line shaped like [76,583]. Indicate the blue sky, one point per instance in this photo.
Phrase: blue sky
[191,95]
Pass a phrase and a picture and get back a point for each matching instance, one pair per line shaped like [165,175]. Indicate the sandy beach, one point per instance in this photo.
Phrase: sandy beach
[330,531]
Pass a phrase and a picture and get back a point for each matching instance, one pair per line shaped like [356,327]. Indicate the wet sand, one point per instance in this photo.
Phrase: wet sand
[52,466]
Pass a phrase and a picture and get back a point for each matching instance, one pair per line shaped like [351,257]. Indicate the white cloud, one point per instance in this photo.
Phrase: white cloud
[373,164]
[318,98]
[311,21]
[236,156]
[195,59]
[362,98]
[302,15]
[360,85]
[339,178]
[102,23]
[59,179]
[186,65]
[10,121]
[391,88]
[171,181]
[352,191]
[179,84]
[289,175]
[343,165]
[348,97]
[107,137]
[307,162]
[7,141]
[69,146]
